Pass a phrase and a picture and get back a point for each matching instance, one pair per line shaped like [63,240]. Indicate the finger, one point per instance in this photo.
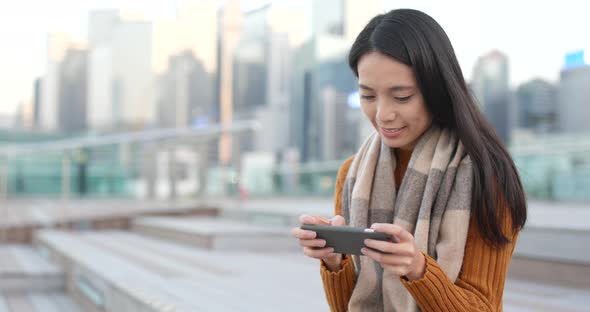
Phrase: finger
[395,230]
[317,253]
[303,234]
[375,255]
[309,219]
[383,246]
[312,242]
[398,270]
[399,262]
[386,259]
[338,220]
[305,219]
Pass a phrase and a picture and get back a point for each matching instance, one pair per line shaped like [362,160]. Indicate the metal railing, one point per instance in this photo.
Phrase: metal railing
[66,148]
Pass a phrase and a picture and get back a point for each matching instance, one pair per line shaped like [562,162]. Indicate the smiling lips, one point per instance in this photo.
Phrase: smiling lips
[391,132]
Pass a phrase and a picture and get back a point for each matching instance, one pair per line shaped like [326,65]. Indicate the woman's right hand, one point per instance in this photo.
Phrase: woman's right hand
[314,247]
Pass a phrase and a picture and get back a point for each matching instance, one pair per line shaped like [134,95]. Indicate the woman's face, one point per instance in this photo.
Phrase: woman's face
[392,101]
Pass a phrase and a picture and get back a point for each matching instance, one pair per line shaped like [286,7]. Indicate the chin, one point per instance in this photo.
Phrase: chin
[396,144]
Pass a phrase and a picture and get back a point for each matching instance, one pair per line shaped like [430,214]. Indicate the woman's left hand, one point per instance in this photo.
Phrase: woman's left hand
[401,258]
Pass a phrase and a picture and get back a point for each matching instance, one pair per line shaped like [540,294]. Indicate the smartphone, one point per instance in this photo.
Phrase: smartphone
[345,239]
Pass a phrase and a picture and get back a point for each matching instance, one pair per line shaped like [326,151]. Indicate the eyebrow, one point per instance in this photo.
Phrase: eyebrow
[394,88]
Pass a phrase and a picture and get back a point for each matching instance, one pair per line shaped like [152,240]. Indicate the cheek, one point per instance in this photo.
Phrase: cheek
[423,122]
[421,116]
[370,113]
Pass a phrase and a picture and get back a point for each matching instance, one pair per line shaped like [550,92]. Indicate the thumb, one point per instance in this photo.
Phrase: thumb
[338,220]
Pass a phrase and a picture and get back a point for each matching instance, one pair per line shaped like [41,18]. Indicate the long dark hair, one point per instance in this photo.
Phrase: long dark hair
[417,40]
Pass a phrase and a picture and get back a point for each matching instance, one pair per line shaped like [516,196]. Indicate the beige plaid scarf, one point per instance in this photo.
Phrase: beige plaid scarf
[433,204]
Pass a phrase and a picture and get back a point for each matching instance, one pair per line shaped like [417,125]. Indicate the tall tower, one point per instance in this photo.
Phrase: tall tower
[491,88]
[573,94]
[230,35]
[57,45]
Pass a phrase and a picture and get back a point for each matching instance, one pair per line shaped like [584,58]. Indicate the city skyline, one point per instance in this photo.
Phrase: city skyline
[24,56]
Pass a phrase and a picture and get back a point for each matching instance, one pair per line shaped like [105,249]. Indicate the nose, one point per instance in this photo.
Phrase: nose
[385,113]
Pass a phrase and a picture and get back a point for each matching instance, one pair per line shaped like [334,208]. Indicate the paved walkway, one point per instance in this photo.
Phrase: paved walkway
[37,302]
[171,263]
[29,283]
[194,279]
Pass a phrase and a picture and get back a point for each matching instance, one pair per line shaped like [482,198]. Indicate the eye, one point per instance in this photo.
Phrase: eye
[403,99]
[368,97]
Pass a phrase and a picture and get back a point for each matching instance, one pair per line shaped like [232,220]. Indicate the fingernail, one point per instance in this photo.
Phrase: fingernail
[364,250]
[331,249]
[366,241]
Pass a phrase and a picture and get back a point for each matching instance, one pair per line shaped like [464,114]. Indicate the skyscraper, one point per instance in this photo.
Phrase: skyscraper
[133,79]
[537,106]
[194,28]
[263,64]
[128,52]
[574,95]
[72,91]
[120,76]
[323,81]
[57,44]
[250,67]
[185,92]
[37,98]
[230,28]
[101,29]
[491,88]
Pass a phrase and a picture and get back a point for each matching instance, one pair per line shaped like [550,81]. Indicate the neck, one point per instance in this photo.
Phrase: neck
[403,151]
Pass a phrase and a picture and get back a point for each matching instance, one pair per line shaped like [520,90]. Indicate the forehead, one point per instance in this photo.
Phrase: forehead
[377,70]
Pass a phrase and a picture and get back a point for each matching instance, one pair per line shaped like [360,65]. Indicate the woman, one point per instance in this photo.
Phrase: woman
[434,175]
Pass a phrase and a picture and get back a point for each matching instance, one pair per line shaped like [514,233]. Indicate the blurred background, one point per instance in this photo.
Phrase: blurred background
[154,155]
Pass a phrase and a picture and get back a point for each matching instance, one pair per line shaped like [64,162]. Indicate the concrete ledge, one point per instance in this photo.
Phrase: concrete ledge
[217,234]
[26,217]
[21,283]
[568,246]
[37,302]
[22,270]
[549,272]
[92,279]
[122,271]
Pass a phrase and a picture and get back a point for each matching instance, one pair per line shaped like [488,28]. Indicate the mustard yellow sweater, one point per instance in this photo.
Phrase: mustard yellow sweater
[479,286]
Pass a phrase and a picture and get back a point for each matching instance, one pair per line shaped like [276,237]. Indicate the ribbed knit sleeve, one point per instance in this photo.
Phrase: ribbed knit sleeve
[338,286]
[480,284]
[340,179]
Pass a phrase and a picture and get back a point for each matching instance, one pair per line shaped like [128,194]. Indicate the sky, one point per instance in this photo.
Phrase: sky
[535,35]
